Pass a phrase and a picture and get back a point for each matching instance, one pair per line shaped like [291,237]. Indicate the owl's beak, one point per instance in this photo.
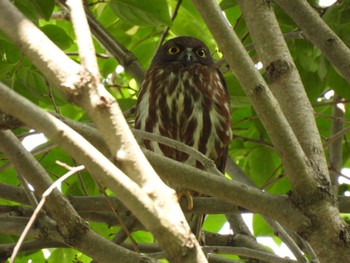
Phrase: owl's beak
[190,57]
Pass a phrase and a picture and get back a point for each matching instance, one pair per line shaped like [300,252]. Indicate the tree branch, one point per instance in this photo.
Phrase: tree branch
[9,122]
[73,229]
[105,173]
[191,178]
[207,163]
[335,150]
[276,207]
[247,252]
[319,33]
[106,114]
[30,246]
[37,210]
[55,65]
[306,184]
[264,102]
[84,40]
[287,87]
[14,225]
[116,49]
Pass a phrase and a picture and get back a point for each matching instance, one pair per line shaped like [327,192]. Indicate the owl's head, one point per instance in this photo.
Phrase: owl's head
[186,50]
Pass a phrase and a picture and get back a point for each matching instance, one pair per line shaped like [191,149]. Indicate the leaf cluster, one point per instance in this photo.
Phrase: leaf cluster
[139,25]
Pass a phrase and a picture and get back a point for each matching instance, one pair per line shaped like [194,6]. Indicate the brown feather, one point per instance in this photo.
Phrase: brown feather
[184,97]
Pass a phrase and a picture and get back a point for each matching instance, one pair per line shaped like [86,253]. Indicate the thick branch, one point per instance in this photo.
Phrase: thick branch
[124,56]
[46,227]
[172,233]
[9,122]
[293,156]
[276,207]
[105,112]
[73,229]
[55,65]
[264,102]
[287,87]
[238,174]
[57,206]
[294,159]
[189,177]
[319,33]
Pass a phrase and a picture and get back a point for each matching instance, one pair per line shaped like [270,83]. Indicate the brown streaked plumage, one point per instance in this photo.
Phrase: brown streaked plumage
[184,97]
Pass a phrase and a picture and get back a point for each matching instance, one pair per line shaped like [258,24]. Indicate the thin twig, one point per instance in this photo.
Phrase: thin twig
[25,134]
[167,28]
[120,220]
[321,104]
[38,208]
[52,98]
[292,245]
[240,251]
[99,55]
[84,39]
[212,258]
[259,141]
[124,56]
[30,195]
[333,118]
[208,164]
[239,174]
[247,252]
[335,150]
[336,136]
[271,178]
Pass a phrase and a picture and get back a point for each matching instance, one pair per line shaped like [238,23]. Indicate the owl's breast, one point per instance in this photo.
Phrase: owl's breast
[187,104]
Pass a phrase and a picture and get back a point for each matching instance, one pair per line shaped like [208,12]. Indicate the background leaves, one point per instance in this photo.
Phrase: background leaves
[143,13]
[138,25]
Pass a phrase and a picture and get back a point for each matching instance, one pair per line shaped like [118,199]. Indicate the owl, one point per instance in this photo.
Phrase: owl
[184,97]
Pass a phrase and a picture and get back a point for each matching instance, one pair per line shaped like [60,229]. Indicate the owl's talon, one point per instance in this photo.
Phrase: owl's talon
[189,198]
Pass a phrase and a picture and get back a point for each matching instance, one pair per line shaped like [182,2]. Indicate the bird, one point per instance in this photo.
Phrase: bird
[184,97]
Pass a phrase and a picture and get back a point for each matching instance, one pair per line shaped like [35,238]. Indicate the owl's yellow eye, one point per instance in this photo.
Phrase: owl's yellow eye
[201,53]
[173,50]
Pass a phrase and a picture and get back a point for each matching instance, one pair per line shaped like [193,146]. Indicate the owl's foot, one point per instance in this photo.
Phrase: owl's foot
[188,196]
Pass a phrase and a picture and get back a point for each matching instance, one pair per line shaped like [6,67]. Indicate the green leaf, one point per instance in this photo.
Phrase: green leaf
[104,229]
[225,4]
[143,13]
[281,186]
[126,104]
[238,98]
[145,57]
[233,15]
[7,239]
[9,53]
[27,7]
[58,36]
[262,165]
[31,84]
[75,186]
[143,236]
[37,256]
[213,223]
[307,55]
[60,255]
[44,8]
[188,22]
[313,85]
[261,228]
[338,83]
[109,67]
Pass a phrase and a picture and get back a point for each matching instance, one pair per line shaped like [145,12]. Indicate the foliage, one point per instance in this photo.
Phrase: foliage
[138,25]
